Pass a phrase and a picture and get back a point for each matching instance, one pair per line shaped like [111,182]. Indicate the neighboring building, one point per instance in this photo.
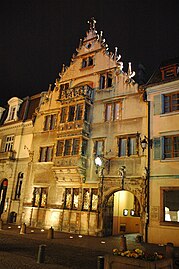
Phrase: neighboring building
[163,99]
[16,133]
[94,110]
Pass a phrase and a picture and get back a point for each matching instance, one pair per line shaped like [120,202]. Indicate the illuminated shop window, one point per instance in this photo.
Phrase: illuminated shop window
[86,199]
[75,198]
[68,198]
[39,197]
[170,205]
[94,199]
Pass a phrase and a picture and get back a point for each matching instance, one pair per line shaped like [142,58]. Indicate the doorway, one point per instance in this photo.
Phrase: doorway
[122,214]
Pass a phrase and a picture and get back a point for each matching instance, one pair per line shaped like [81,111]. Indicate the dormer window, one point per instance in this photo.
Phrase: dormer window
[12,112]
[169,71]
[14,104]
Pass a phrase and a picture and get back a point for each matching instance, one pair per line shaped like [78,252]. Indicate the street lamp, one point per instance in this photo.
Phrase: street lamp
[144,142]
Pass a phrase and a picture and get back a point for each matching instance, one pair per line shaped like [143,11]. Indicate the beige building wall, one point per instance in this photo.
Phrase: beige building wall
[164,172]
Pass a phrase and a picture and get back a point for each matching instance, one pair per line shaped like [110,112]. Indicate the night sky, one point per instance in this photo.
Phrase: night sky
[38,36]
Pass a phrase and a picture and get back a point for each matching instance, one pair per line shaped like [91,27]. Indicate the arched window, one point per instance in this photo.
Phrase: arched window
[19,185]
[3,190]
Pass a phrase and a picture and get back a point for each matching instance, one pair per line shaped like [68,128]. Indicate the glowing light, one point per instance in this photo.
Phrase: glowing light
[80,236]
[42,230]
[71,237]
[9,227]
[103,242]
[19,227]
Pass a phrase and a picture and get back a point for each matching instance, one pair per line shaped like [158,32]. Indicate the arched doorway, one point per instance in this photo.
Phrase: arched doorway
[3,190]
[121,214]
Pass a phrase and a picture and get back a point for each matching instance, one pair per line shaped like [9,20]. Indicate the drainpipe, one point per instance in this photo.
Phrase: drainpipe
[148,173]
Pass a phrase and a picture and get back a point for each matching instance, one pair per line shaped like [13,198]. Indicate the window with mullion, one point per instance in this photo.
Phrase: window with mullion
[46,154]
[171,102]
[71,115]
[127,146]
[68,147]
[60,148]
[117,110]
[76,146]
[108,113]
[39,197]
[64,114]
[99,147]
[9,141]
[171,146]
[79,111]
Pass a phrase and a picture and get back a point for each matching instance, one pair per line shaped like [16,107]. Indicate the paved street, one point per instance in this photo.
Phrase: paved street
[64,251]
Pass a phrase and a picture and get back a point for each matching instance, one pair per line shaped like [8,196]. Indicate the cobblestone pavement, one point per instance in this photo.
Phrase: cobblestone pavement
[64,251]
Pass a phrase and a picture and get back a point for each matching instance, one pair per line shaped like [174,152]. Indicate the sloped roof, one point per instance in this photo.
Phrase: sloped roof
[156,77]
[26,110]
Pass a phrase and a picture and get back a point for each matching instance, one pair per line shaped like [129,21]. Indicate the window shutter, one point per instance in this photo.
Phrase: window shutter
[162,104]
[157,150]
[157,104]
[162,153]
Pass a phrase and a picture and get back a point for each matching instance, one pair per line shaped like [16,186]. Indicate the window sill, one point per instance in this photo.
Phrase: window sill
[169,114]
[86,68]
[168,223]
[176,159]
[105,89]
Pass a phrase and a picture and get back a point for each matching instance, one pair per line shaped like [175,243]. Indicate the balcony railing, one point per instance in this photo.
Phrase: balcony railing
[8,155]
[67,126]
[80,92]
[71,161]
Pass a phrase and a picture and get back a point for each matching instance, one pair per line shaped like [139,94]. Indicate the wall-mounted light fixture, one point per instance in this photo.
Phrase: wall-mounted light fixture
[144,142]
[132,212]
[102,163]
[125,212]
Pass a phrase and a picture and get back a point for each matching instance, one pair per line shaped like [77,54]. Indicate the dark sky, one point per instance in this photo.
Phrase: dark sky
[38,36]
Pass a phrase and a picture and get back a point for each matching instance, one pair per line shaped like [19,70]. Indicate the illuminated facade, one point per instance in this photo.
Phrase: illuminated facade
[94,109]
[16,133]
[163,98]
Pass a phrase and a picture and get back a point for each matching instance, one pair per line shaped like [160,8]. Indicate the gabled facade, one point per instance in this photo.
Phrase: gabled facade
[94,110]
[163,98]
[16,133]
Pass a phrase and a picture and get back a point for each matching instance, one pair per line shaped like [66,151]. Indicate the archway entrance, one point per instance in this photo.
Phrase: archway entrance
[3,190]
[122,214]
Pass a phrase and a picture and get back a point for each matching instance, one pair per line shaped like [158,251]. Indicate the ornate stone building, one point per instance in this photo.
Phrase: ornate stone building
[94,110]
[88,171]
[163,98]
